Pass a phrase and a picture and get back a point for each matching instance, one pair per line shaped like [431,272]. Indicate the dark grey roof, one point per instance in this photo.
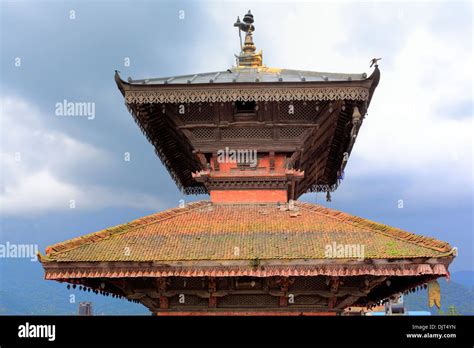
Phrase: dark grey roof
[246,75]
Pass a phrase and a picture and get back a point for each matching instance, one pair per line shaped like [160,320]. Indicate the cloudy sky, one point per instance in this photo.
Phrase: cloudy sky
[415,144]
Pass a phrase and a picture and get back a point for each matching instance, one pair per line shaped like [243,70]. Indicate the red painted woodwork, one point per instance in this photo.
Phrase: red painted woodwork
[248,196]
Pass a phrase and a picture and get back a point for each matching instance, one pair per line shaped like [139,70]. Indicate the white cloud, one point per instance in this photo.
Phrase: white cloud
[409,133]
[306,36]
[36,161]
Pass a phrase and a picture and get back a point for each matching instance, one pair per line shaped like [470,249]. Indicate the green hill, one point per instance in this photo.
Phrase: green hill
[452,294]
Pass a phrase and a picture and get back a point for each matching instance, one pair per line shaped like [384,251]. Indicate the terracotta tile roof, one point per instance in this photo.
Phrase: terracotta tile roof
[202,231]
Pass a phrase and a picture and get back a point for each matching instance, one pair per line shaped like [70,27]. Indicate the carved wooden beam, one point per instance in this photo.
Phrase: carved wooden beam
[349,300]
[371,284]
[290,163]
[136,296]
[202,160]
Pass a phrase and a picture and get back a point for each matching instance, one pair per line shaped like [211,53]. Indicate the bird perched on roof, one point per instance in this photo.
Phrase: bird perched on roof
[374,62]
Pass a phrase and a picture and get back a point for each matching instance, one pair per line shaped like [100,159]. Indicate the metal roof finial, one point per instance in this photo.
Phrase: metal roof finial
[247,57]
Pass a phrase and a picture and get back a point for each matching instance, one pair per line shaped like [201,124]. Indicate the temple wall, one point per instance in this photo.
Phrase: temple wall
[248,196]
[263,167]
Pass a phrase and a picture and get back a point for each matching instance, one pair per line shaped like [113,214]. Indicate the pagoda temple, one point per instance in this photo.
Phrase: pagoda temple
[254,139]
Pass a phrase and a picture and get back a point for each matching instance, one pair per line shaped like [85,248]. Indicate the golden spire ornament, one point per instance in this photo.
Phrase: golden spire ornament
[247,57]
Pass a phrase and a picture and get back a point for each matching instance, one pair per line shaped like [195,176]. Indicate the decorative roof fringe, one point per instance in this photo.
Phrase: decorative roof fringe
[346,270]
[213,95]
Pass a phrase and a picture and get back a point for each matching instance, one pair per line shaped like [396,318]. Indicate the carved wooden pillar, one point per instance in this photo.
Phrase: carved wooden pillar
[212,289]
[293,185]
[272,160]
[212,302]
[164,303]
[161,287]
[334,285]
[215,161]
[333,288]
[332,302]
[284,287]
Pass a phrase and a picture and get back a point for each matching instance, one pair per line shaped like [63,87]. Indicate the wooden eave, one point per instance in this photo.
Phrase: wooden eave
[327,140]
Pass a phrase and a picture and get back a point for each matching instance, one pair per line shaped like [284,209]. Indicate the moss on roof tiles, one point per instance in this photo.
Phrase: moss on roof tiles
[198,233]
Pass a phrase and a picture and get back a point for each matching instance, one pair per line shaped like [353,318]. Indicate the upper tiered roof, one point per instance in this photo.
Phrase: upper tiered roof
[250,75]
[188,118]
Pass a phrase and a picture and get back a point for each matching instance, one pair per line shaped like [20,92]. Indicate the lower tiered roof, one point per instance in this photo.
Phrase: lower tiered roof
[205,239]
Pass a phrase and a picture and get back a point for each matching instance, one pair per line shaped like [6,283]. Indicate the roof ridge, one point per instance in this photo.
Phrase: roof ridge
[394,232]
[122,228]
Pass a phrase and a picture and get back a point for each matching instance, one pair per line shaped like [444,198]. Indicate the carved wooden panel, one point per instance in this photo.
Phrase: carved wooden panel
[248,301]
[308,300]
[291,132]
[298,110]
[188,283]
[203,134]
[313,283]
[246,133]
[195,112]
